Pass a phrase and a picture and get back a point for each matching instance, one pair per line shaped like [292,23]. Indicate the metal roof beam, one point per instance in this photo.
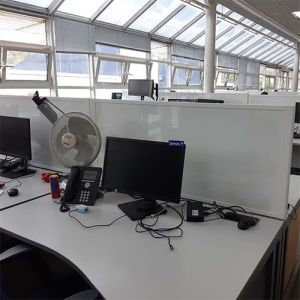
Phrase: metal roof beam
[54,6]
[278,56]
[259,48]
[100,10]
[138,13]
[240,43]
[167,19]
[261,40]
[269,54]
[230,40]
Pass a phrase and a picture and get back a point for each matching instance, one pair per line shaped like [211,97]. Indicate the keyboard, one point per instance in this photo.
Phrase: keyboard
[16,173]
[296,135]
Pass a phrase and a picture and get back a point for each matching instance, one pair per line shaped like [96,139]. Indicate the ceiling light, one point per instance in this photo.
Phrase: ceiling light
[296,14]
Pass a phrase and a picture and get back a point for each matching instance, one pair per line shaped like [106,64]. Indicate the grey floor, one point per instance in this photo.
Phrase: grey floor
[295,293]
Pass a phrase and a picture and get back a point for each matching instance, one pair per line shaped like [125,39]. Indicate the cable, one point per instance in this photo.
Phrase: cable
[93,226]
[158,233]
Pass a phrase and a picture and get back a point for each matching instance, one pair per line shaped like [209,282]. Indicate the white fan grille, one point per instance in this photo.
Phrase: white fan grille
[88,140]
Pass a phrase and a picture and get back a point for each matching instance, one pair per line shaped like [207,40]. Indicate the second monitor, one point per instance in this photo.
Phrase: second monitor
[151,169]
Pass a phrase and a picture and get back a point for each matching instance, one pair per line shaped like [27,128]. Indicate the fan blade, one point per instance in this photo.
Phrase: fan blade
[59,144]
[84,154]
[80,127]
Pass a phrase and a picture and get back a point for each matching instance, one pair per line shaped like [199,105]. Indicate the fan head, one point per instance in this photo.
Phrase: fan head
[75,140]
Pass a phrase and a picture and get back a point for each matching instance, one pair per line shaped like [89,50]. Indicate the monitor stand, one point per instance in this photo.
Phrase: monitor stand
[140,209]
[18,168]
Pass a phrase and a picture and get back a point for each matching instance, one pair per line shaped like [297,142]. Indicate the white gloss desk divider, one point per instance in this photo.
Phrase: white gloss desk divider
[235,155]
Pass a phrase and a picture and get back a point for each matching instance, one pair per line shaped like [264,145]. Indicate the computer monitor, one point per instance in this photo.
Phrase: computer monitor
[141,87]
[209,101]
[15,141]
[116,96]
[151,169]
[297,112]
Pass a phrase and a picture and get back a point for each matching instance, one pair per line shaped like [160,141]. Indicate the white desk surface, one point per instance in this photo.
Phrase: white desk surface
[296,142]
[294,190]
[31,187]
[212,260]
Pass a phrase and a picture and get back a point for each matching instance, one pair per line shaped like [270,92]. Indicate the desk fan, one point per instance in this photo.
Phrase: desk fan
[75,139]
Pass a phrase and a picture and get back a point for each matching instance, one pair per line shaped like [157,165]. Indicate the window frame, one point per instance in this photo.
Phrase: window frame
[14,83]
[127,61]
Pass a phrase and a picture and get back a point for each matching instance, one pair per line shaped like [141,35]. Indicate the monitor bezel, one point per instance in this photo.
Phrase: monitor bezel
[29,137]
[142,194]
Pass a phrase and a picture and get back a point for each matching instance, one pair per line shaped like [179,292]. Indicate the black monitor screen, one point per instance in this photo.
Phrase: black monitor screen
[297,113]
[15,137]
[140,87]
[151,169]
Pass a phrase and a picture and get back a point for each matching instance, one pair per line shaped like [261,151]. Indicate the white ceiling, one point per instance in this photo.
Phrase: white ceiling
[278,12]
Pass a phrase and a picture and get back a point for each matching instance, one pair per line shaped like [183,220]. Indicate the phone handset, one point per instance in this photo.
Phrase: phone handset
[70,189]
[82,187]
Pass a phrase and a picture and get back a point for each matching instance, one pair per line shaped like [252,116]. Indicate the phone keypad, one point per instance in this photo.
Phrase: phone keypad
[84,196]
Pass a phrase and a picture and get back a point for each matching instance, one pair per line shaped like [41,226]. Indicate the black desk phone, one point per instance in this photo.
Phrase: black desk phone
[83,185]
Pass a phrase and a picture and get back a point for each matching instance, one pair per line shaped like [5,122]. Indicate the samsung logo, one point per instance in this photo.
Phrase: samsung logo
[176,143]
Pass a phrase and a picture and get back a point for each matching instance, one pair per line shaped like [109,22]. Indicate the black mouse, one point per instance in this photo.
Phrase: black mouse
[13,192]
[246,222]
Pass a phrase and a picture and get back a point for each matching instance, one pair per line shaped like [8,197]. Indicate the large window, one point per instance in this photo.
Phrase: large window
[22,29]
[114,66]
[26,59]
[226,79]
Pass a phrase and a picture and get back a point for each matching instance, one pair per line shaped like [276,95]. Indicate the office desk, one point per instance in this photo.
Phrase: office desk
[32,187]
[212,260]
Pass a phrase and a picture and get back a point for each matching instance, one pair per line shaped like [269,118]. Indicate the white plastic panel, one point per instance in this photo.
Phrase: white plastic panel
[232,156]
[275,98]
[40,126]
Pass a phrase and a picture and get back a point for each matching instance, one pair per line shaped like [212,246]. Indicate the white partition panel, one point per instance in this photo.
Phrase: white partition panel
[228,97]
[236,154]
[282,98]
[40,126]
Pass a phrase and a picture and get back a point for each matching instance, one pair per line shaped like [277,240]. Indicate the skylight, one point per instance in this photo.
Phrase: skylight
[296,14]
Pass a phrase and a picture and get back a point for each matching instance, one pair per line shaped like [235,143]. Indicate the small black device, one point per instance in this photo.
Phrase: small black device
[15,141]
[244,222]
[116,96]
[194,211]
[13,192]
[82,185]
[150,169]
[141,87]
[297,119]
[209,101]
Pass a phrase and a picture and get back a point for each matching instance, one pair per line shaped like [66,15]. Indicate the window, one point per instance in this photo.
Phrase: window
[22,65]
[115,66]
[25,68]
[226,79]
[22,29]
[72,69]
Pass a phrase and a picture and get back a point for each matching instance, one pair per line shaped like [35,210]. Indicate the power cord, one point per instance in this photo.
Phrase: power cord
[93,226]
[159,233]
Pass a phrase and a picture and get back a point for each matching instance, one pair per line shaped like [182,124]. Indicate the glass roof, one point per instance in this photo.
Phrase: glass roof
[84,8]
[178,21]
[41,3]
[155,14]
[235,34]
[120,11]
[191,32]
